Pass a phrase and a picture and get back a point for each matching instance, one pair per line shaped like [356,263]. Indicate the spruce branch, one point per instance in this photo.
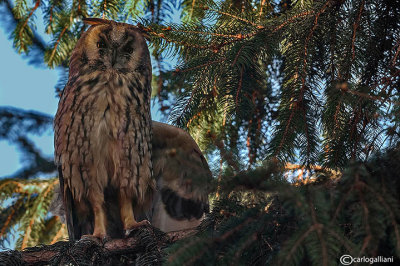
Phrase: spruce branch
[239,87]
[53,51]
[234,17]
[396,53]
[25,23]
[319,228]
[344,88]
[355,26]
[202,66]
[36,39]
[43,196]
[392,215]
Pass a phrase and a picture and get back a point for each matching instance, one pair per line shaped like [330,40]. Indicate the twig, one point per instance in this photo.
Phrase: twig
[57,43]
[26,21]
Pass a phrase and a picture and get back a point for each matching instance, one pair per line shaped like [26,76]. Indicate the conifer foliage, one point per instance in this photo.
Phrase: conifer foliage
[296,104]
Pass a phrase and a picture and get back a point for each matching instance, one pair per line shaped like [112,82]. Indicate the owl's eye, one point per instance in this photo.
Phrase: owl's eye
[128,48]
[101,44]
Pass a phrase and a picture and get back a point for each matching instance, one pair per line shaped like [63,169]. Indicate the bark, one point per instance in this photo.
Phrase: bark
[144,247]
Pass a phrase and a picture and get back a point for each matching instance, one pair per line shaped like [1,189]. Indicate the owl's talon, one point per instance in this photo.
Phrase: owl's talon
[105,239]
[99,240]
[135,227]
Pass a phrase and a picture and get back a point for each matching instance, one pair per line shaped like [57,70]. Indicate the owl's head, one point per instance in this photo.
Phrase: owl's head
[109,46]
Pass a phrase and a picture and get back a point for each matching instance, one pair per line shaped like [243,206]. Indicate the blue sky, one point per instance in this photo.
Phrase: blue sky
[28,87]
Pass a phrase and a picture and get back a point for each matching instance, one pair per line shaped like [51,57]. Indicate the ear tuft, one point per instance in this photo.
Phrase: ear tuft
[144,30]
[96,21]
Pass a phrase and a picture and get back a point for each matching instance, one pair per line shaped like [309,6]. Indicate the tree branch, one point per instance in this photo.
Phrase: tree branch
[36,39]
[145,245]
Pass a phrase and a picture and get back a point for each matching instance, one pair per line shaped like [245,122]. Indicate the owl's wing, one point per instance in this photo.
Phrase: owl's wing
[63,206]
[78,217]
[68,208]
[67,203]
[182,175]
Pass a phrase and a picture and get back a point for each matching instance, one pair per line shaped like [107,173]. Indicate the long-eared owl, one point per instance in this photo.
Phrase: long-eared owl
[103,131]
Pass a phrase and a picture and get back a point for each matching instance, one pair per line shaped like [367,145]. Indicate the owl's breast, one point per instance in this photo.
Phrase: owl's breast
[107,132]
[109,109]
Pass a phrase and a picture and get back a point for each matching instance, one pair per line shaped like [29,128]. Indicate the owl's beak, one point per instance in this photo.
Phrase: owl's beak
[114,56]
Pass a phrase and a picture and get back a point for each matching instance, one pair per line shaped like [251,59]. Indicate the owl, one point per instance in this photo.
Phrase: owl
[183,180]
[103,132]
